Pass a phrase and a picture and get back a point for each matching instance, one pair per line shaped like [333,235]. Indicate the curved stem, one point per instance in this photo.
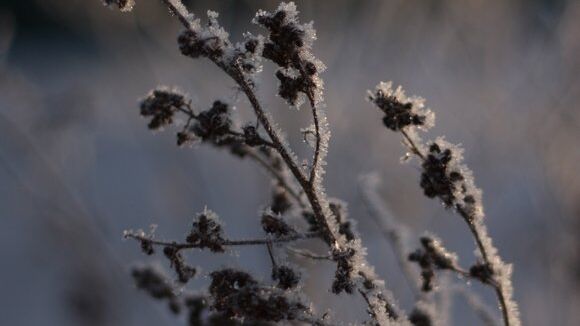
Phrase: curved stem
[477,237]
[316,159]
[329,236]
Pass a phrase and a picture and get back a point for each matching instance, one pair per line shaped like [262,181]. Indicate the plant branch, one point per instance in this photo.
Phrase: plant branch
[316,158]
[227,243]
[311,194]
[478,239]
[308,254]
[308,184]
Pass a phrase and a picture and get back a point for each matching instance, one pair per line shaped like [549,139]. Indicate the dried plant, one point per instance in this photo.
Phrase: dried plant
[234,296]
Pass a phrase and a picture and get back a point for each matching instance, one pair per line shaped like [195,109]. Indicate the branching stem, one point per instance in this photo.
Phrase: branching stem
[476,235]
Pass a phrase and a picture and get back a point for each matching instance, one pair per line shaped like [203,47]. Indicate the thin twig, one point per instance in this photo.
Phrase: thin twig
[292,165]
[308,254]
[316,158]
[271,254]
[227,243]
[413,146]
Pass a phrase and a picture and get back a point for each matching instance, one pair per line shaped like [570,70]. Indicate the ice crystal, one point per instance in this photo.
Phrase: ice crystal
[400,110]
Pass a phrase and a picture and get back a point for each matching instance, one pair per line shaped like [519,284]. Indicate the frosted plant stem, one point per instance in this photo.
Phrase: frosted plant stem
[477,235]
[330,237]
[309,184]
[239,78]
[315,161]
[228,243]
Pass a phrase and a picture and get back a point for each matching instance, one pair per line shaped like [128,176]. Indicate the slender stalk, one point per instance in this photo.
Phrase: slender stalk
[236,134]
[271,254]
[316,158]
[476,235]
[330,237]
[413,146]
[227,243]
[308,254]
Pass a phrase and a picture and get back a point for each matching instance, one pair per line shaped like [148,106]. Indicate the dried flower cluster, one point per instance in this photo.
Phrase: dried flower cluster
[400,111]
[288,45]
[207,232]
[235,296]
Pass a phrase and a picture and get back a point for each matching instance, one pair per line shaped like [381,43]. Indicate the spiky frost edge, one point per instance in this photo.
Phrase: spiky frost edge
[418,103]
[440,249]
[502,270]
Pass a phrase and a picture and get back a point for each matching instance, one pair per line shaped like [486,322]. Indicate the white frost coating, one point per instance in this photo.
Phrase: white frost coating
[486,250]
[182,11]
[214,29]
[324,131]
[456,164]
[418,107]
[128,6]
[502,271]
[379,293]
[362,270]
[283,140]
[308,135]
[140,233]
[440,250]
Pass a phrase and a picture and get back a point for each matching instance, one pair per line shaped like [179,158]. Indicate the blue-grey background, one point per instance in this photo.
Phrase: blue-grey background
[78,166]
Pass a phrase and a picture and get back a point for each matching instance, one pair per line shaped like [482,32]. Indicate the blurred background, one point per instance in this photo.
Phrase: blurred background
[78,165]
